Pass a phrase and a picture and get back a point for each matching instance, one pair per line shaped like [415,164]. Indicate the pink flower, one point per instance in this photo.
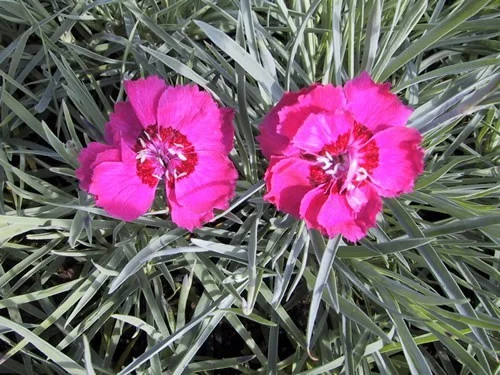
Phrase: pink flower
[176,134]
[335,151]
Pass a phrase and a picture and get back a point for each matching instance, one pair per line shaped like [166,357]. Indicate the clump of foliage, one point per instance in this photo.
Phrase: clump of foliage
[254,291]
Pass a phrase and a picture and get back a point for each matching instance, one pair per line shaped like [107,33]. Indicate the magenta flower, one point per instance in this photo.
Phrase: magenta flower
[176,134]
[335,151]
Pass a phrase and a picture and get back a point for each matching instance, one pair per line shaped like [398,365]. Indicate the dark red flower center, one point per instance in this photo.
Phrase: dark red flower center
[346,163]
[164,152]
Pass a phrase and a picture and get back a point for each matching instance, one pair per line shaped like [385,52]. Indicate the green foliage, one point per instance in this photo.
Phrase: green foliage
[254,291]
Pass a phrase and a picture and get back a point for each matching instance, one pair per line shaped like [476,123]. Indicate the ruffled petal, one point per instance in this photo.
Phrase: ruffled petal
[319,99]
[196,115]
[211,185]
[271,143]
[400,161]
[350,215]
[367,204]
[119,190]
[123,125]
[286,117]
[144,95]
[321,129]
[183,216]
[227,128]
[287,182]
[373,105]
[310,206]
[87,159]
[337,217]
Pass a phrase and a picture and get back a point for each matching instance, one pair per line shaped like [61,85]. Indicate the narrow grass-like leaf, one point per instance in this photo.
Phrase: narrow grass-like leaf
[179,67]
[23,114]
[416,361]
[414,12]
[52,353]
[438,269]
[252,265]
[297,247]
[429,179]
[378,249]
[187,282]
[87,355]
[469,9]
[80,95]
[252,316]
[244,59]
[216,364]
[139,324]
[93,283]
[246,13]
[448,70]
[142,257]
[443,333]
[323,272]
[372,36]
[39,294]
[299,36]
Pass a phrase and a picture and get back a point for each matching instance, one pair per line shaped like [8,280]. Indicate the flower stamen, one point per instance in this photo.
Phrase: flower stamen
[164,152]
[343,165]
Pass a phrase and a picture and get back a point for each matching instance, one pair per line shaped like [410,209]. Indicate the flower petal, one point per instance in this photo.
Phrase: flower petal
[337,217]
[319,98]
[283,121]
[270,141]
[321,129]
[400,161]
[87,159]
[287,182]
[183,216]
[333,214]
[196,115]
[373,105]
[227,128]
[367,211]
[211,185]
[123,125]
[310,206]
[119,190]
[352,214]
[144,95]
